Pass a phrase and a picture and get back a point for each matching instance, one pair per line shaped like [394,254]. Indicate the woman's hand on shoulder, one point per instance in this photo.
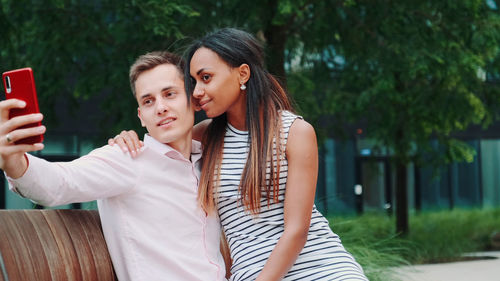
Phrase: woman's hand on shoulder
[128,141]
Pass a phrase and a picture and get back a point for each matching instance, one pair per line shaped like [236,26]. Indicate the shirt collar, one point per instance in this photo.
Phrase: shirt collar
[166,149]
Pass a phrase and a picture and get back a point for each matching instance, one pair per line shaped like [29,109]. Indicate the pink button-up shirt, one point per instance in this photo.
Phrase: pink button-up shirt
[152,223]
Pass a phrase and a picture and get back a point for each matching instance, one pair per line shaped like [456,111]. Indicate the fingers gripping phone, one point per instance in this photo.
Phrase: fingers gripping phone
[20,84]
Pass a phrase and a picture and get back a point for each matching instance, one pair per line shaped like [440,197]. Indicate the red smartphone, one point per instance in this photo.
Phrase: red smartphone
[20,84]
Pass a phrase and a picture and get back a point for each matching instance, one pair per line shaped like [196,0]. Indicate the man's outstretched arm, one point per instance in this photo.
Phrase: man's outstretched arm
[105,172]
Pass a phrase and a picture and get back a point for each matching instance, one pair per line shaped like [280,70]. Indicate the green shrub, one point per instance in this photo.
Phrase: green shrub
[435,236]
[371,241]
[446,235]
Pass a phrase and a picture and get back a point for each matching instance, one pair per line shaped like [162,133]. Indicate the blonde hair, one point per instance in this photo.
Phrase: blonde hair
[151,60]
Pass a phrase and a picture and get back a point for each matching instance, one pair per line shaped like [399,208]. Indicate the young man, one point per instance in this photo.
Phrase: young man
[153,226]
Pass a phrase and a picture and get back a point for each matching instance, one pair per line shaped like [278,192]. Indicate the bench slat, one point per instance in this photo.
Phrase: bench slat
[53,245]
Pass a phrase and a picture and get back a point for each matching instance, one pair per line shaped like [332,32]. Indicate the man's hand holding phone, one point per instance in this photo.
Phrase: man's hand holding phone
[21,129]
[12,159]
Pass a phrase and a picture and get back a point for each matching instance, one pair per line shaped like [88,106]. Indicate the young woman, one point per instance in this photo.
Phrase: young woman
[260,166]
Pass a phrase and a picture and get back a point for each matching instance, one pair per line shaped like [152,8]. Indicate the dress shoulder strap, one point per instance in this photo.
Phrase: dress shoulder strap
[287,119]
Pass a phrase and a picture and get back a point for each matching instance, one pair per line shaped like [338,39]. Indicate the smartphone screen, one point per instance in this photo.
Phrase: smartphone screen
[20,84]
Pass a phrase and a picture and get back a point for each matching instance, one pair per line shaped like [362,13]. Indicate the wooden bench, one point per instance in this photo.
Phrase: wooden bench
[53,245]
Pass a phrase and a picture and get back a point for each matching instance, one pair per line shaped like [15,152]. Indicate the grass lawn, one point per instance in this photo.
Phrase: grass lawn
[435,236]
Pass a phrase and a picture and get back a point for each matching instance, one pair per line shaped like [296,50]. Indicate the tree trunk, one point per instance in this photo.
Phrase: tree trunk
[275,36]
[276,39]
[402,159]
[402,226]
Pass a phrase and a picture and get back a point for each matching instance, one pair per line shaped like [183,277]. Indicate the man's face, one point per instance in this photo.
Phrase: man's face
[163,105]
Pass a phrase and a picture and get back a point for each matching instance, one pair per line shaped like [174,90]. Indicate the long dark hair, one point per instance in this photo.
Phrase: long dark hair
[265,98]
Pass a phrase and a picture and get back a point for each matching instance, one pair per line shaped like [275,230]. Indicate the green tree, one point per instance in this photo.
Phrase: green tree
[412,71]
[82,49]
[282,24]
[409,71]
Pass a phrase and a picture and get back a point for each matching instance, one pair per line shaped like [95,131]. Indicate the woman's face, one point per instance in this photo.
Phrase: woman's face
[217,88]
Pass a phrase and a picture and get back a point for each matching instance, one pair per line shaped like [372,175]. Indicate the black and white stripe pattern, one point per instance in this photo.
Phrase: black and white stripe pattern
[251,238]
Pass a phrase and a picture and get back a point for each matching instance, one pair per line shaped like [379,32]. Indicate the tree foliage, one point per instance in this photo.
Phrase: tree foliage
[81,50]
[408,71]
[411,71]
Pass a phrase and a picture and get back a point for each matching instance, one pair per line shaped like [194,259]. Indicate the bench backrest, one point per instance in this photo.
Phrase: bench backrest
[53,245]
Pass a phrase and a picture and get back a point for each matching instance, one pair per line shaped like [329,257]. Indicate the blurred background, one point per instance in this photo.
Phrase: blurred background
[404,95]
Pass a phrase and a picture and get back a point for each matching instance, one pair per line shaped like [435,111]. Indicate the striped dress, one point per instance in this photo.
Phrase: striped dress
[251,238]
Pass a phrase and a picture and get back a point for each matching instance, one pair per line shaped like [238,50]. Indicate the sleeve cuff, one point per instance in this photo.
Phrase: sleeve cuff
[14,182]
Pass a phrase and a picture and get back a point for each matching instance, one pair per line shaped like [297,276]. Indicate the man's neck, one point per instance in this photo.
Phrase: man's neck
[183,148]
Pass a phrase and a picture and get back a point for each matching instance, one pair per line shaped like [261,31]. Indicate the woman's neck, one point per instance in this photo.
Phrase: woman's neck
[236,115]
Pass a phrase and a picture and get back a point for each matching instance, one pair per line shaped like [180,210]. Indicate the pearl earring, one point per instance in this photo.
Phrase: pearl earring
[243,87]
